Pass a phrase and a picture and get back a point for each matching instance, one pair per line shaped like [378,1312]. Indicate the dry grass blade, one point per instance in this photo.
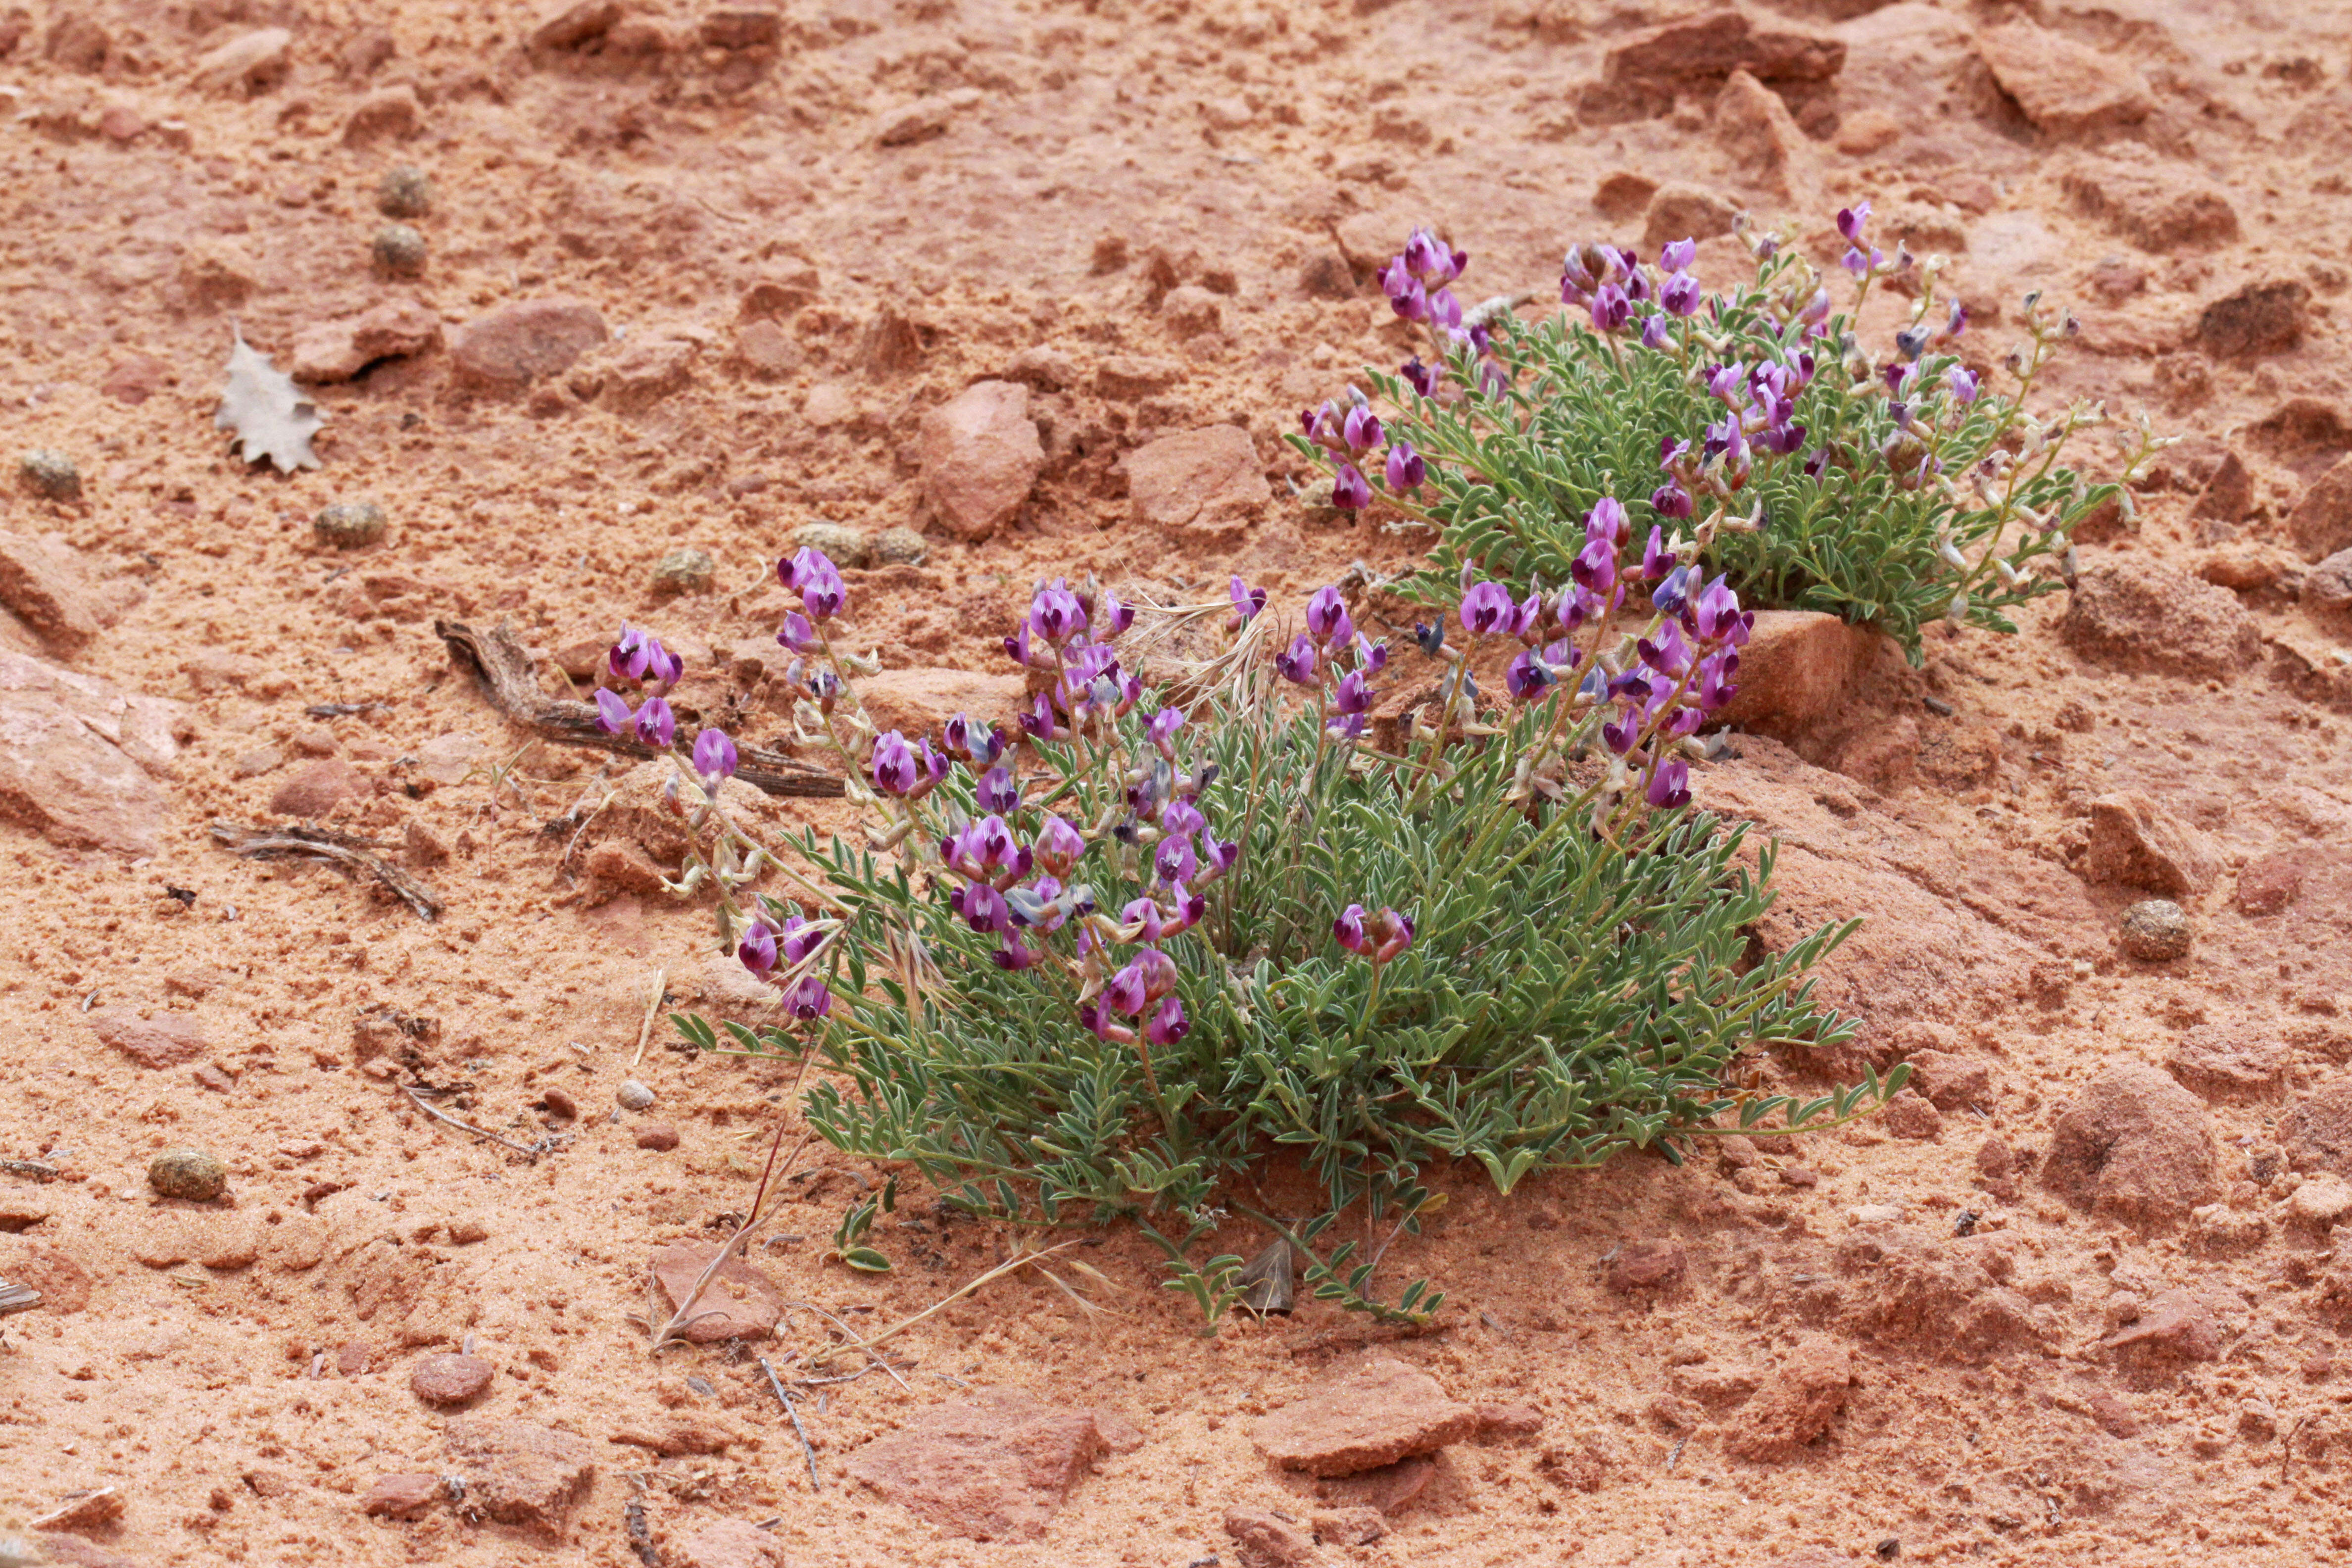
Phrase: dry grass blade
[319,844]
[1272,1288]
[808,1449]
[438,1114]
[1156,644]
[1011,1264]
[16,1298]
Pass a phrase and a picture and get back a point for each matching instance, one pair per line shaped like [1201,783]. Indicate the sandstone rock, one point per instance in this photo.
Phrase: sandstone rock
[2216,1230]
[1190,310]
[520,1473]
[1509,1421]
[507,349]
[2317,1134]
[403,1496]
[398,250]
[1805,1395]
[2227,496]
[1048,367]
[2158,206]
[2322,1201]
[921,120]
[1348,1526]
[1950,1082]
[2269,883]
[1949,1298]
[993,1465]
[2138,614]
[135,378]
[2134,1146]
[1384,1490]
[1648,1265]
[315,791]
[1380,1411]
[739,1302]
[405,192]
[684,570]
[766,350]
[76,755]
[2155,931]
[340,351]
[2321,521]
[1755,128]
[2137,844]
[728,1543]
[254,62]
[646,369]
[392,112]
[2328,588]
[980,456]
[449,1379]
[1684,211]
[2065,88]
[1798,670]
[2259,318]
[165,1040]
[46,584]
[1266,1539]
[2227,1062]
[1867,130]
[349,525]
[659,1136]
[77,41]
[743,27]
[1204,484]
[195,1174]
[1624,195]
[1910,1115]
[920,701]
[2177,1325]
[568,24]
[1713,44]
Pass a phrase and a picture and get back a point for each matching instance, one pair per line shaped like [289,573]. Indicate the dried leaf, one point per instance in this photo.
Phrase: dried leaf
[273,420]
[1272,1288]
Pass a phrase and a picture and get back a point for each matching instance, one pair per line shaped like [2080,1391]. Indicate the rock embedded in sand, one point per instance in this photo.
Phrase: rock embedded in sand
[390,111]
[728,1543]
[506,349]
[2321,521]
[568,24]
[165,1040]
[851,549]
[317,790]
[338,351]
[687,571]
[2136,613]
[992,1466]
[1711,47]
[1804,1395]
[632,1095]
[46,584]
[659,1136]
[403,1496]
[2134,1146]
[2176,1325]
[739,1302]
[2155,931]
[520,1473]
[920,701]
[1754,128]
[1647,1264]
[2317,1134]
[1799,669]
[196,1175]
[2328,588]
[2229,1062]
[980,457]
[349,525]
[449,1379]
[1265,1537]
[2136,843]
[1379,1413]
[2065,88]
[900,546]
[1206,484]
[2259,318]
[2158,206]
[405,192]
[2227,496]
[250,63]
[398,250]
[1679,211]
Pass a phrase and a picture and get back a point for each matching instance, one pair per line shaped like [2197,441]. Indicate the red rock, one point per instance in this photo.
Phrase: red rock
[1348,1526]
[1385,1490]
[781,296]
[403,1496]
[659,1136]
[338,351]
[520,1473]
[2134,1146]
[2229,1062]
[1950,1082]
[2136,844]
[740,1303]
[1647,1266]
[645,370]
[62,1550]
[315,791]
[743,27]
[1267,1537]
[1947,1298]
[2260,318]
[1509,1420]
[2328,588]
[2321,521]
[507,349]
[78,756]
[1129,378]
[2227,496]
[993,1465]
[1380,1411]
[568,24]
[1717,43]
[2065,88]
[2317,1134]
[2137,614]
[1799,669]
[728,1543]
[392,112]
[165,1040]
[211,1077]
[1754,126]
[981,456]
[351,1358]
[1678,211]
[2158,206]
[766,350]
[135,378]
[47,585]
[250,63]
[1909,1115]
[1204,484]
[2175,1324]
[1805,1397]
[920,701]
[449,1379]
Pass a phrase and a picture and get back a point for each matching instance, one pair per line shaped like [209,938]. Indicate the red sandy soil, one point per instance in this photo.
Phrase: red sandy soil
[1160,216]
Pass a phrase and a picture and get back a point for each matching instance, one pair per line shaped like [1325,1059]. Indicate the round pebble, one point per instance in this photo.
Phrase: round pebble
[405,192]
[684,572]
[900,546]
[399,250]
[2155,931]
[349,525]
[560,1105]
[632,1095]
[449,1379]
[844,546]
[50,474]
[193,1173]
[657,1135]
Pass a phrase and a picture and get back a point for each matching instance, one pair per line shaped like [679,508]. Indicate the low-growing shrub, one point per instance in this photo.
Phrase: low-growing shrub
[1890,491]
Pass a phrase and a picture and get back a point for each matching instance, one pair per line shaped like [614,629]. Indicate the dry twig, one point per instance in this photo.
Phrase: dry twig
[319,842]
[808,1449]
[528,1151]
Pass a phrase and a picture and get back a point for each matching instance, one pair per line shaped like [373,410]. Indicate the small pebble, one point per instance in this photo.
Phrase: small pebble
[399,250]
[349,525]
[844,546]
[467,1229]
[632,1095]
[900,547]
[684,572]
[194,1173]
[657,1135]
[560,1105]
[50,474]
[405,192]
[2155,931]
[449,1379]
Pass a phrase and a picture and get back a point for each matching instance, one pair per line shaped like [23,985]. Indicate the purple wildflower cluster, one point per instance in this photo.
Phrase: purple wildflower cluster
[1336,660]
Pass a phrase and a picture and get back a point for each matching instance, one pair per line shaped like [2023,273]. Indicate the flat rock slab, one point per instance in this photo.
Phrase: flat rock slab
[739,1302]
[78,756]
[1380,1411]
[520,1473]
[993,1467]
[1799,669]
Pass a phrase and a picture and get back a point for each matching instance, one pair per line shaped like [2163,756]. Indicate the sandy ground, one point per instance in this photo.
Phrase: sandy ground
[1160,216]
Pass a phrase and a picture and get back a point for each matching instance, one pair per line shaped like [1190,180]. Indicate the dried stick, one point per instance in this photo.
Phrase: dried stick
[1007,1266]
[507,679]
[807,1449]
[254,843]
[440,1115]
[653,1005]
[770,1179]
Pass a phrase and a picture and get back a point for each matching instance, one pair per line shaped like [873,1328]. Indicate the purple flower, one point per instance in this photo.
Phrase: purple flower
[1406,470]
[1379,937]
[809,1000]
[1297,666]
[1349,490]
[1161,730]
[1123,993]
[714,756]
[1404,294]
[1715,616]
[1673,590]
[656,725]
[1595,566]
[1715,683]
[1218,855]
[1488,610]
[1175,860]
[796,570]
[1607,521]
[1418,377]
[799,938]
[1327,617]
[982,851]
[997,791]
[1354,694]
[1011,955]
[1962,382]
[983,906]
[1182,817]
[823,592]
[757,948]
[1578,605]
[1655,335]
[1169,1025]
[1040,722]
[976,743]
[1322,427]
[1097,1021]
[898,769]
[797,634]
[1056,615]
[1110,614]
[639,655]
[1677,256]
[1431,258]
[1850,219]
[1527,676]
[1361,428]
[612,713]
[1666,653]
[1620,732]
[1371,657]
[1657,559]
[1957,321]
[1587,268]
[1856,262]
[1060,846]
[1247,601]
[1445,310]
[1669,785]
[1348,929]
[1670,499]
[1610,308]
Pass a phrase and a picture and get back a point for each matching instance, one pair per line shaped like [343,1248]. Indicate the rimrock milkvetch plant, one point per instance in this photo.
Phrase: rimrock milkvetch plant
[1114,963]
[1753,424]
